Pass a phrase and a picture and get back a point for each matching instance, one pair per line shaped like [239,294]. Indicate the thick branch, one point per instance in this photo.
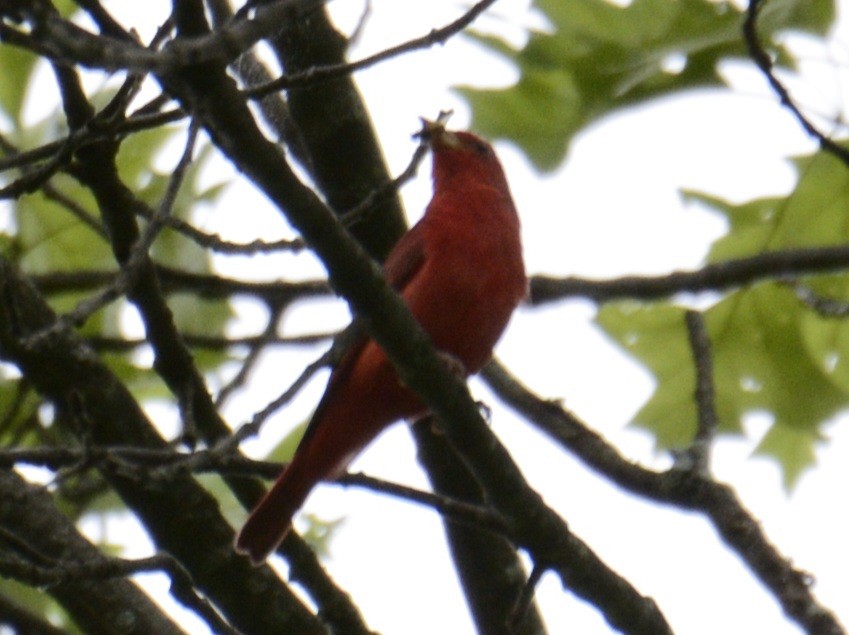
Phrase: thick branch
[213,99]
[28,514]
[61,40]
[332,121]
[88,395]
[687,489]
[491,572]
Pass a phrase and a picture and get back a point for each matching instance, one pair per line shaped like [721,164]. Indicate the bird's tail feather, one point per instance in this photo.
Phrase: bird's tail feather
[271,519]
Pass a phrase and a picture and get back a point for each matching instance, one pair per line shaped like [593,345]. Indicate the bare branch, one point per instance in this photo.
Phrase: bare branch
[323,73]
[681,488]
[89,397]
[700,450]
[763,61]
[720,276]
[58,39]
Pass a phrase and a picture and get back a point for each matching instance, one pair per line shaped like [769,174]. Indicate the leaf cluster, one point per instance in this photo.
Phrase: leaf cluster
[776,354]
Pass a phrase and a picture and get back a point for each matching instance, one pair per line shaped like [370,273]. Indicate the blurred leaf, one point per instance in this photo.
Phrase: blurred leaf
[600,57]
[106,501]
[136,155]
[319,533]
[16,69]
[228,503]
[191,314]
[38,602]
[285,449]
[16,66]
[18,404]
[51,238]
[63,236]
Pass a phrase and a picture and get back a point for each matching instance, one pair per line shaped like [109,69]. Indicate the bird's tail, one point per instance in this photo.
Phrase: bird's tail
[271,519]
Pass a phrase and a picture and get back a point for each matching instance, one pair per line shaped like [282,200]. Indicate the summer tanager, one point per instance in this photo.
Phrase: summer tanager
[460,272]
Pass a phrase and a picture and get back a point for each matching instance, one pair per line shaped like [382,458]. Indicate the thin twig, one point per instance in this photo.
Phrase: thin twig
[41,573]
[323,73]
[764,62]
[212,342]
[458,511]
[125,279]
[341,344]
[700,449]
[250,360]
[686,489]
[524,601]
[826,307]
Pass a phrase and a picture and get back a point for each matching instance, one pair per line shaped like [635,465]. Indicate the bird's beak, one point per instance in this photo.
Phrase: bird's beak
[435,134]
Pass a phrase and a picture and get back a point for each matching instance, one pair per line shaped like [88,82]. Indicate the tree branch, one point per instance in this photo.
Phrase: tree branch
[32,527]
[686,489]
[490,571]
[335,133]
[720,276]
[764,63]
[89,398]
[699,451]
[212,97]
[56,38]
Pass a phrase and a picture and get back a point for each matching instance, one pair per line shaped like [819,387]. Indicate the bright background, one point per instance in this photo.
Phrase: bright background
[613,208]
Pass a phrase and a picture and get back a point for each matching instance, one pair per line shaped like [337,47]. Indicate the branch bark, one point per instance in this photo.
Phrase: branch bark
[689,489]
[62,368]
[29,514]
[719,276]
[491,573]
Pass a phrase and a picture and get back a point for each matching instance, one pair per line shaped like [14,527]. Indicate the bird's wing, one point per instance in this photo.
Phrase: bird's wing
[404,261]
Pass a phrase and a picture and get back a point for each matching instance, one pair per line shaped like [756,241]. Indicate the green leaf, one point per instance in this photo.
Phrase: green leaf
[39,603]
[601,57]
[51,238]
[18,404]
[319,533]
[285,450]
[793,448]
[772,353]
[136,155]
[654,335]
[15,68]
[761,364]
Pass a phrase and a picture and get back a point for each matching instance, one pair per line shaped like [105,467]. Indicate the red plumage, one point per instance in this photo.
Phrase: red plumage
[460,271]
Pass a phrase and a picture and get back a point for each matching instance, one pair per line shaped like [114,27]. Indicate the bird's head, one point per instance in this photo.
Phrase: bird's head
[460,155]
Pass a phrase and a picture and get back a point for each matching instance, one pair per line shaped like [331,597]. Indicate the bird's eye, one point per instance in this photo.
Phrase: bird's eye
[480,147]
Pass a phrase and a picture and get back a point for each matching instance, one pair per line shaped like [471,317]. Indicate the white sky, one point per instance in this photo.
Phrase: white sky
[613,208]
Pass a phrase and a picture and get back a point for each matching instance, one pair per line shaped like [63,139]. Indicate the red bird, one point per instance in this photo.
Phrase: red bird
[460,271]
